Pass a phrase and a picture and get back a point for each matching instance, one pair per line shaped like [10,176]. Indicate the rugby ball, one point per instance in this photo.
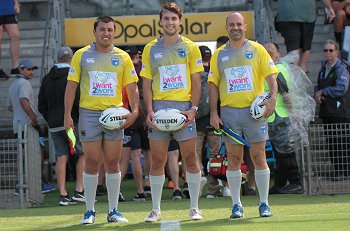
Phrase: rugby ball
[111,117]
[257,111]
[169,119]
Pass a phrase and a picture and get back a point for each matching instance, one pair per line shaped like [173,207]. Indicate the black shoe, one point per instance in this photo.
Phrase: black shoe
[65,200]
[185,191]
[176,195]
[292,189]
[251,192]
[140,197]
[121,197]
[101,190]
[79,196]
[3,75]
[275,190]
[147,190]
[15,71]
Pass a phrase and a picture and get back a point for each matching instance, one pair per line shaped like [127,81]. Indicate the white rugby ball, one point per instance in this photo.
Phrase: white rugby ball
[169,119]
[111,117]
[257,111]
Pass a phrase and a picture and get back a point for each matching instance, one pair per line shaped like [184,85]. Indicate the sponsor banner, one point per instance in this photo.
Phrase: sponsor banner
[143,29]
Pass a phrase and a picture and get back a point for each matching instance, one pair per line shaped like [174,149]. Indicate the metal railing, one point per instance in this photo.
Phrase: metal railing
[20,170]
[328,160]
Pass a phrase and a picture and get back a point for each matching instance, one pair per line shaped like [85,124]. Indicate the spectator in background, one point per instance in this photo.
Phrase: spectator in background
[173,170]
[8,20]
[333,96]
[51,106]
[237,74]
[175,52]
[21,101]
[204,130]
[136,57]
[342,18]
[113,66]
[295,20]
[281,133]
[221,41]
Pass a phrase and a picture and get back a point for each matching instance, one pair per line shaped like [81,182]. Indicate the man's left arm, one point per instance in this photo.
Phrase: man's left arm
[271,103]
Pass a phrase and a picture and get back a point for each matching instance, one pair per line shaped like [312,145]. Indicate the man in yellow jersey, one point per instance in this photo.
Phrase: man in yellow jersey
[171,79]
[102,70]
[237,74]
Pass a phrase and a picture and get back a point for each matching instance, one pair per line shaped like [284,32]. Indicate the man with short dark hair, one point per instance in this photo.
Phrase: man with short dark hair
[101,70]
[172,56]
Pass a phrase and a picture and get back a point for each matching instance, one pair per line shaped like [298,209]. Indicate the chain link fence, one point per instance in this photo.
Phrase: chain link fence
[20,170]
[328,160]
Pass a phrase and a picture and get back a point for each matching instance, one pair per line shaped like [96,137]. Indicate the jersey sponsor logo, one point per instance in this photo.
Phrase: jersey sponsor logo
[173,77]
[90,60]
[225,59]
[239,79]
[199,62]
[71,71]
[249,54]
[143,67]
[158,55]
[210,73]
[115,62]
[181,52]
[103,83]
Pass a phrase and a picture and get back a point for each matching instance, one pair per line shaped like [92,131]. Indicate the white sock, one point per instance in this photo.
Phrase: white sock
[113,189]
[234,180]
[157,183]
[262,178]
[194,183]
[90,185]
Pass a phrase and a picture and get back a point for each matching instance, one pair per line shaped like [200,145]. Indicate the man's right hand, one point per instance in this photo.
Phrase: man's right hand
[149,122]
[215,121]
[68,122]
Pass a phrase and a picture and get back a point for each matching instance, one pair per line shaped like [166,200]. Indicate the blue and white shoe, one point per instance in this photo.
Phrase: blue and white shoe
[116,216]
[237,211]
[45,188]
[264,210]
[89,218]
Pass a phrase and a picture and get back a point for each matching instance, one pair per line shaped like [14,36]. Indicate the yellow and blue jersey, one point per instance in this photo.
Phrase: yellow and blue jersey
[170,68]
[239,73]
[101,76]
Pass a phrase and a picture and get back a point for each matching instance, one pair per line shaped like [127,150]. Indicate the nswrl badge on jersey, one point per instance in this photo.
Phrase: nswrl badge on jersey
[182,52]
[115,62]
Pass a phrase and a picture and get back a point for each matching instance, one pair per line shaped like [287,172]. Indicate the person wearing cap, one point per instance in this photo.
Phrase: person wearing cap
[21,101]
[21,98]
[101,70]
[51,106]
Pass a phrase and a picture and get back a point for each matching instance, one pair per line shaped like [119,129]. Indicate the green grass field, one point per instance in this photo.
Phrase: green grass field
[291,212]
